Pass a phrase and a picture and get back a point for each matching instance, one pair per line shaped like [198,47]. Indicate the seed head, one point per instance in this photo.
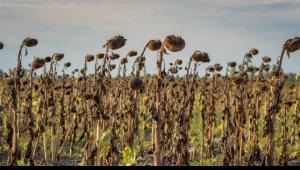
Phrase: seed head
[173,70]
[178,62]
[68,64]
[37,63]
[232,64]
[154,45]
[201,57]
[248,55]
[238,80]
[218,67]
[30,42]
[116,42]
[135,84]
[218,75]
[174,43]
[58,56]
[47,59]
[124,61]
[1,45]
[211,69]
[112,66]
[132,53]
[266,59]
[254,51]
[100,56]
[292,45]
[89,58]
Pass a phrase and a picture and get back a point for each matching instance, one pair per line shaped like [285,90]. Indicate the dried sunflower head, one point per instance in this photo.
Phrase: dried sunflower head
[218,67]
[89,58]
[1,45]
[292,45]
[68,64]
[174,43]
[58,56]
[124,61]
[37,63]
[266,59]
[248,55]
[211,69]
[232,64]
[112,66]
[116,42]
[238,80]
[100,55]
[132,53]
[201,57]
[178,62]
[173,70]
[135,84]
[254,51]
[154,45]
[30,42]
[218,75]
[47,59]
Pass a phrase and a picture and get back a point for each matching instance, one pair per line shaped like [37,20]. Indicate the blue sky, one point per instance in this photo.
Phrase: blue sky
[226,29]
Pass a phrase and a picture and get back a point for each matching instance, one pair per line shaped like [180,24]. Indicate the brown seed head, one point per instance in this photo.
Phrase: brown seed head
[238,80]
[30,42]
[1,45]
[248,55]
[266,59]
[124,61]
[154,45]
[292,45]
[173,70]
[47,59]
[112,66]
[132,53]
[232,64]
[58,56]
[211,69]
[218,67]
[178,62]
[201,57]
[135,84]
[89,58]
[116,42]
[254,51]
[174,43]
[37,63]
[100,55]
[68,64]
